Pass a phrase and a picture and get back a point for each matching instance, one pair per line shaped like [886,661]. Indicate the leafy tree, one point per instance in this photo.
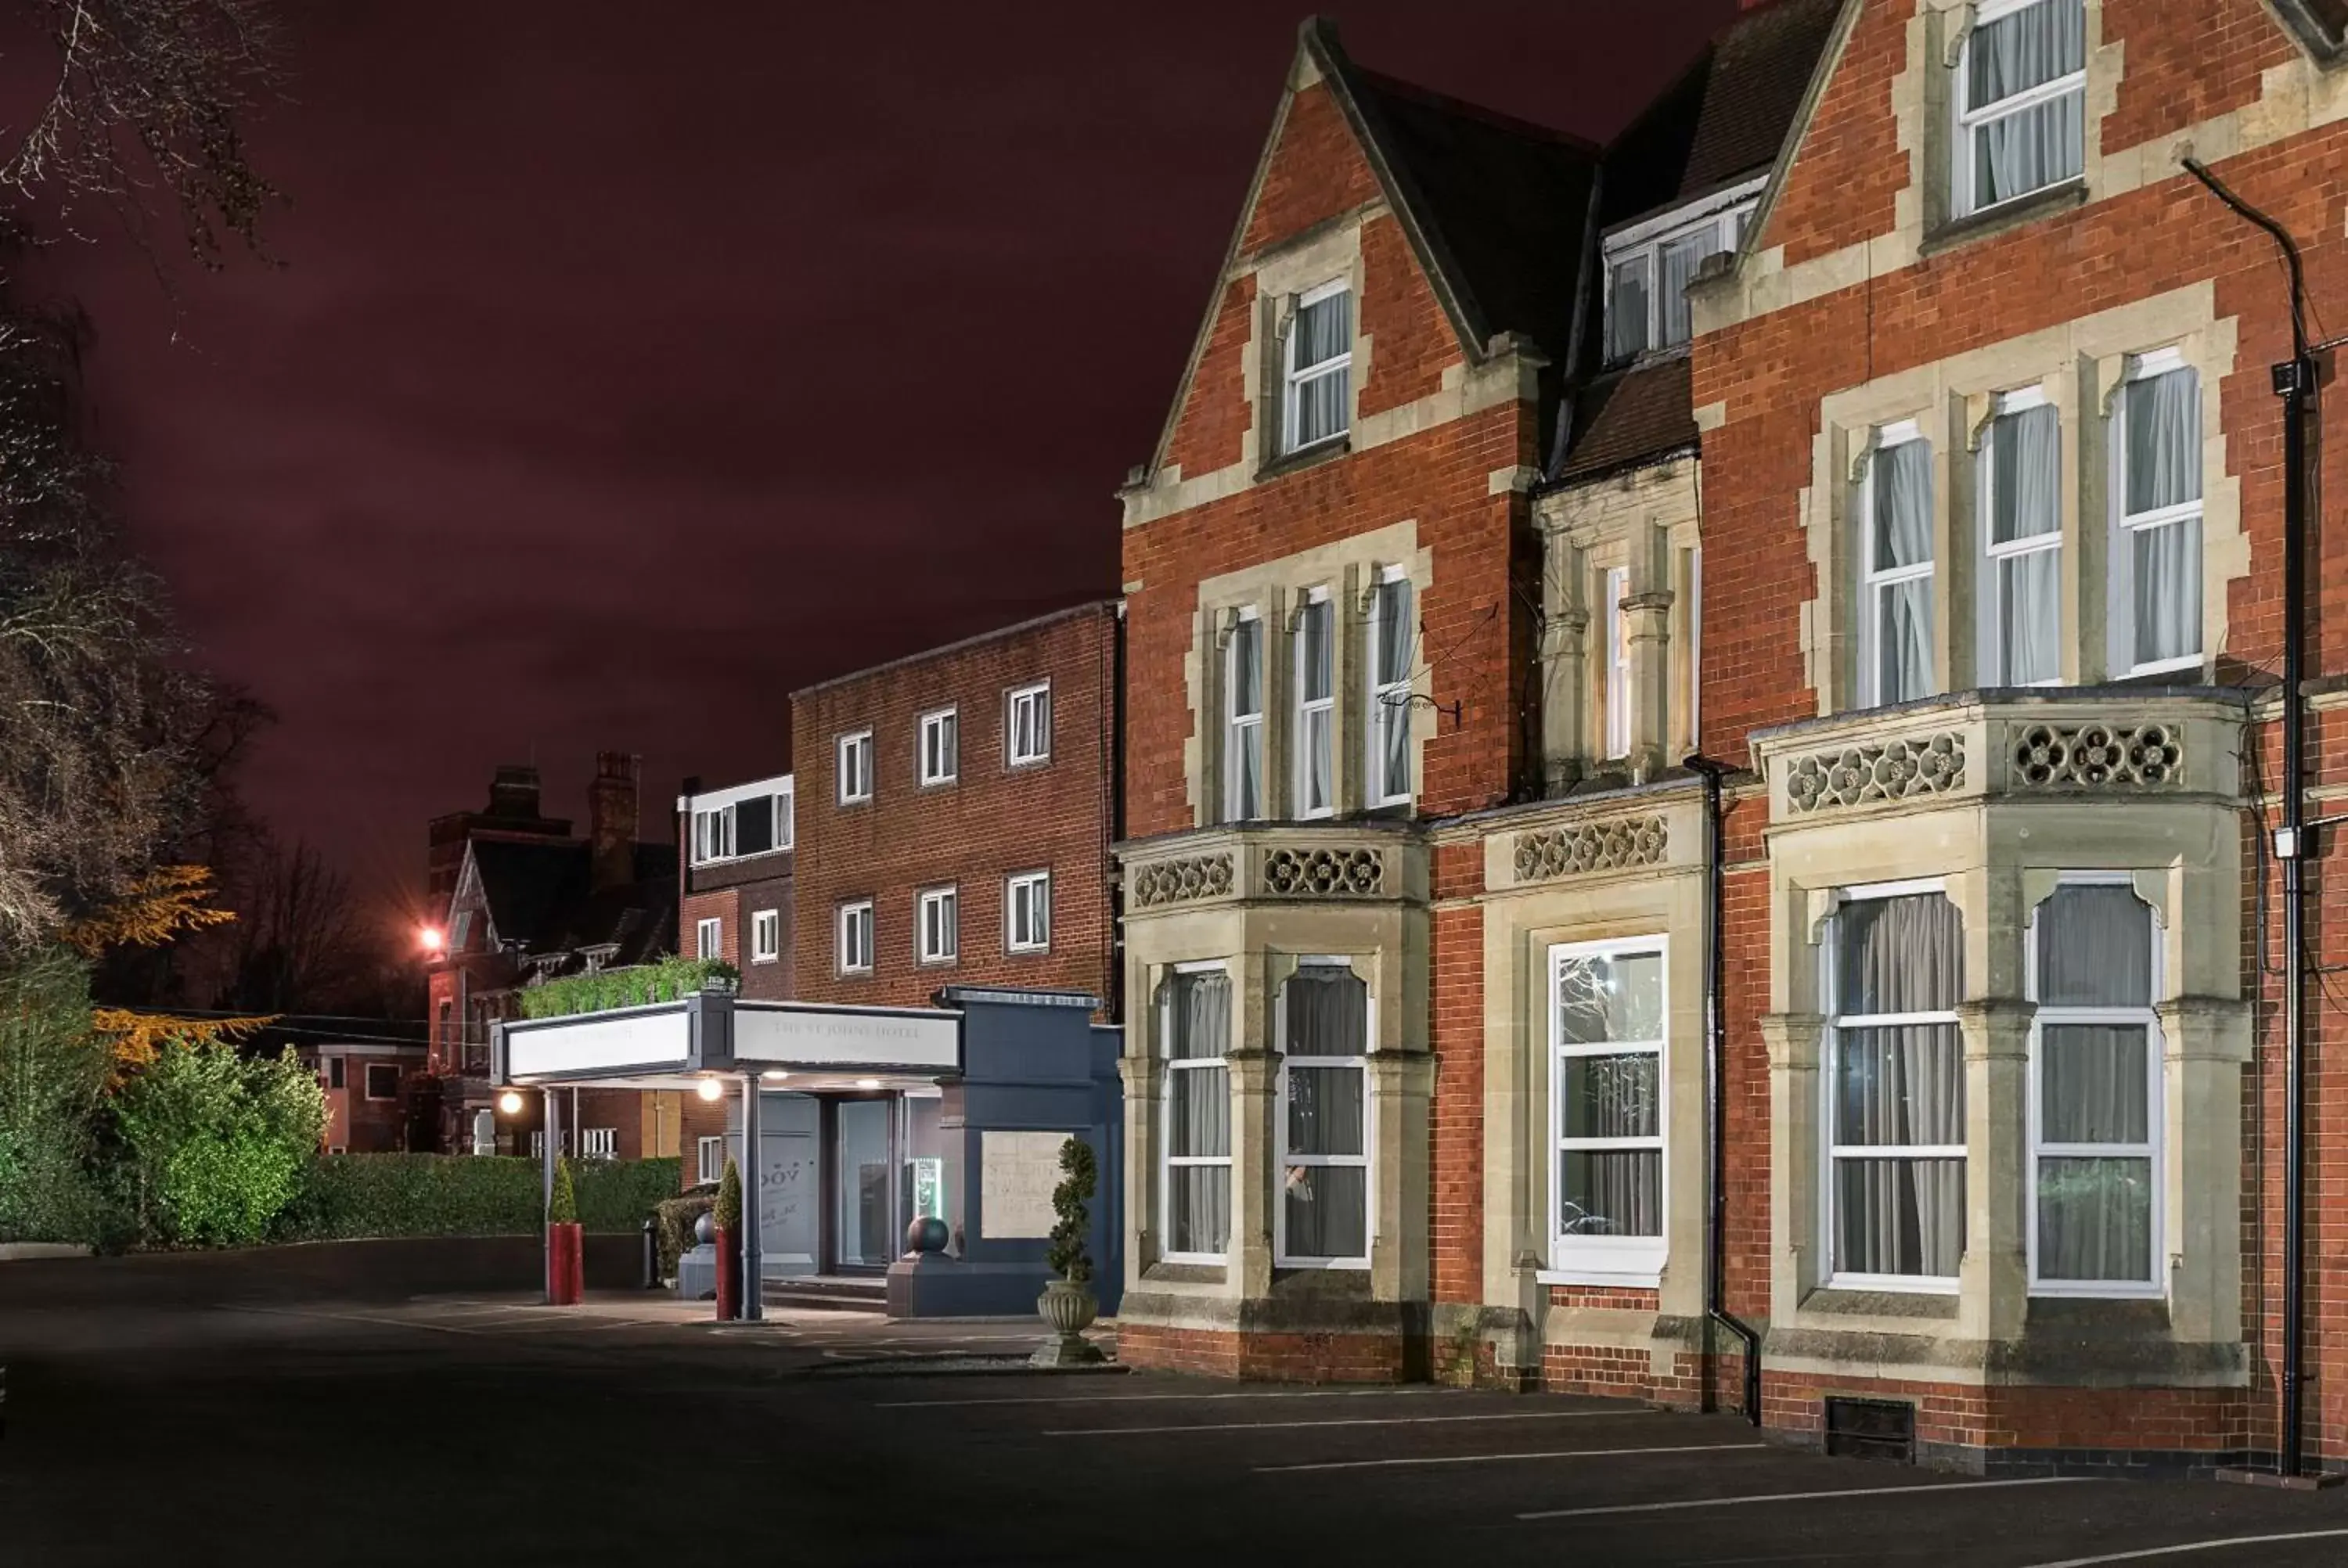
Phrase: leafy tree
[53,1075]
[1069,1256]
[217,1142]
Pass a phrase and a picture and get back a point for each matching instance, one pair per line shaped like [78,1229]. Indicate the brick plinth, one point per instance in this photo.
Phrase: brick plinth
[1292,1357]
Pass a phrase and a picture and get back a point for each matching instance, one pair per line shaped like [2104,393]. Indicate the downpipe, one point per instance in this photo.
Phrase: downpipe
[1716,1102]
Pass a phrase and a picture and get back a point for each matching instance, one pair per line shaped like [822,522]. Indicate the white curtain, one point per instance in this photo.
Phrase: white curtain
[1247,703]
[2025,504]
[1681,260]
[1198,1018]
[1322,330]
[1314,696]
[1900,1084]
[2164,471]
[1626,309]
[1901,481]
[2042,145]
[1392,726]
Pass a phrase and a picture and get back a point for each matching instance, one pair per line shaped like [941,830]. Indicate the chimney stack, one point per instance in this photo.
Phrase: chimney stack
[611,819]
[513,792]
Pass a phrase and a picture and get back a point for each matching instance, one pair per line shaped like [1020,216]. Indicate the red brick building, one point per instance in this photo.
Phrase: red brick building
[369,1088]
[954,814]
[736,897]
[1901,324]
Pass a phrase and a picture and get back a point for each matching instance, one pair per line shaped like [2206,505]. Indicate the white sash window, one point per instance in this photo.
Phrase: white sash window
[1391,647]
[2021,97]
[1319,360]
[2021,483]
[1194,1020]
[1316,784]
[1896,560]
[1243,738]
[1608,1014]
[2156,555]
[1323,1219]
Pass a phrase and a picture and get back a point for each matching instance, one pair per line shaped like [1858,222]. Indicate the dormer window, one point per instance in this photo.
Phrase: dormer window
[2021,97]
[1317,367]
[755,821]
[1648,270]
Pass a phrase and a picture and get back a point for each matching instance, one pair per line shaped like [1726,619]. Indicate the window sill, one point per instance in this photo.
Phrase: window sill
[1175,1272]
[1869,1301]
[1022,764]
[1320,451]
[776,959]
[948,782]
[1626,1279]
[2022,209]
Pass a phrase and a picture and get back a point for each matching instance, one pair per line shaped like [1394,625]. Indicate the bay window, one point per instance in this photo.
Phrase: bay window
[1895,1089]
[2156,557]
[2021,101]
[2094,1092]
[1194,1020]
[1392,645]
[1607,1124]
[1894,513]
[2021,483]
[1316,706]
[1243,720]
[1323,1022]
[1318,358]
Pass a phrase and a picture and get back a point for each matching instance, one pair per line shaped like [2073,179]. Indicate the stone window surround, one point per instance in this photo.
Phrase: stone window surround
[1998,864]
[1645,523]
[2080,365]
[1275,590]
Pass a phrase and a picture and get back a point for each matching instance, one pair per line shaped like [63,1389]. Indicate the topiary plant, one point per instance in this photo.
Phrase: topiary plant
[727,1213]
[562,1208]
[1068,1255]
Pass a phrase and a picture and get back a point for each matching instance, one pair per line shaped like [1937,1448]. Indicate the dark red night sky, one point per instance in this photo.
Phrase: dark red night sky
[628,366]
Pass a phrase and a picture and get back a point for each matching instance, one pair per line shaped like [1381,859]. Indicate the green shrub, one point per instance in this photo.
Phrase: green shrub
[1067,1255]
[217,1143]
[562,1206]
[53,1073]
[727,1213]
[665,981]
[349,1196]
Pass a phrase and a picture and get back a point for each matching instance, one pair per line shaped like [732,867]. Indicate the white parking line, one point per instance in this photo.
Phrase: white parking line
[2216,1546]
[1796,1497]
[1493,1459]
[1154,1398]
[1340,1422]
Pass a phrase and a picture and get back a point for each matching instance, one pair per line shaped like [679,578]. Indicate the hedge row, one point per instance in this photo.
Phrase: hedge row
[347,1196]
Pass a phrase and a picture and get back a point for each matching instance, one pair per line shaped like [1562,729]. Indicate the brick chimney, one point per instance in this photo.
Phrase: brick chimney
[513,792]
[611,818]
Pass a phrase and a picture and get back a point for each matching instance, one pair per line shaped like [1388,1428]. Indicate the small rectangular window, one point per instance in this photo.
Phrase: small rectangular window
[335,1071]
[765,935]
[1243,701]
[709,940]
[856,767]
[1027,912]
[753,825]
[939,938]
[2022,531]
[1617,673]
[383,1080]
[855,938]
[1394,646]
[1319,355]
[2021,101]
[1316,784]
[1895,552]
[1028,725]
[2156,557]
[709,1159]
[712,835]
[941,747]
[1648,272]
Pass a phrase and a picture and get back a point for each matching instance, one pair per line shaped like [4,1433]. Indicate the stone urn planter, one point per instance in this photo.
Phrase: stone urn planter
[1067,1306]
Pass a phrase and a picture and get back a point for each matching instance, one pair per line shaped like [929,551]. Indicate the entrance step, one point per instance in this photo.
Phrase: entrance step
[824,1291]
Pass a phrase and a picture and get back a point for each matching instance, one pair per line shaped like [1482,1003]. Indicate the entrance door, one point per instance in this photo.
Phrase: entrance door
[861,1228]
[789,1184]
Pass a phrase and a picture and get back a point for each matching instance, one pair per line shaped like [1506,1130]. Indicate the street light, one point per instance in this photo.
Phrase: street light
[432,939]
[510,1103]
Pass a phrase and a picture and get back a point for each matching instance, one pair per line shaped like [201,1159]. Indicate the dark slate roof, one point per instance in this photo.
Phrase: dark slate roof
[636,918]
[1726,119]
[528,884]
[1502,204]
[1629,417]
[541,899]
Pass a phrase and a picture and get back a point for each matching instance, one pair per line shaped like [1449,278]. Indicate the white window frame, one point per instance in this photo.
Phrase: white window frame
[1037,698]
[1027,907]
[1625,1262]
[1615,586]
[1970,119]
[853,766]
[1168,1160]
[1643,244]
[709,938]
[1316,600]
[1829,1063]
[1991,646]
[767,936]
[1694,695]
[1280,1256]
[853,935]
[942,904]
[367,1082]
[712,835]
[1389,701]
[1295,378]
[1874,581]
[2152,1150]
[1240,728]
[706,1170]
[716,816]
[2126,525]
[937,747]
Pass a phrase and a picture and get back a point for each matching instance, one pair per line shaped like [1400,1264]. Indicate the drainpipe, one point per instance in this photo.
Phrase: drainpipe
[1715,1103]
[2294,382]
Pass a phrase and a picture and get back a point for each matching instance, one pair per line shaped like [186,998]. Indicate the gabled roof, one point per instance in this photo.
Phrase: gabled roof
[1494,207]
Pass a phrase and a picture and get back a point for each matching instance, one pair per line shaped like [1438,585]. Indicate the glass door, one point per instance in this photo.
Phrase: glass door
[864,1235]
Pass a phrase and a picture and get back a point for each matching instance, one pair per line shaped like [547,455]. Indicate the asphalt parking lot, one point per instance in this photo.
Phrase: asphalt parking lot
[398,1405]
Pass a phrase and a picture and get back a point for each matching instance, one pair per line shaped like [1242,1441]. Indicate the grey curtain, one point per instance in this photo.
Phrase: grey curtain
[1901,478]
[2094,1213]
[1611,1191]
[1901,1084]
[1626,309]
[1199,1118]
[2094,1220]
[2095,948]
[1396,631]
[1680,257]
[1323,330]
[2042,145]
[1327,1211]
[1326,1009]
[1199,1197]
[1313,686]
[2025,503]
[1199,1015]
[1247,703]
[2163,469]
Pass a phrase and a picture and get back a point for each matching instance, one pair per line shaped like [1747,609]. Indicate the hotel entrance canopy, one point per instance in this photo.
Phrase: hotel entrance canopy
[679,1044]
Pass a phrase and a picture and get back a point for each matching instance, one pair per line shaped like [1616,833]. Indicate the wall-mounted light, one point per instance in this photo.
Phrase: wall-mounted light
[709,1089]
[510,1102]
[868,1083]
[773,1075]
[431,938]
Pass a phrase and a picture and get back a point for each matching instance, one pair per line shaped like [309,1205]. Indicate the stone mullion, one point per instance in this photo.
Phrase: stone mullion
[1796,1156]
[1254,1085]
[2205,1041]
[1994,1272]
[1649,619]
[1145,1135]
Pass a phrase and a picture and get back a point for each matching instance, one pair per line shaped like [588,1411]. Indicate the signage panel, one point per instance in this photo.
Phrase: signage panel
[818,1037]
[595,1040]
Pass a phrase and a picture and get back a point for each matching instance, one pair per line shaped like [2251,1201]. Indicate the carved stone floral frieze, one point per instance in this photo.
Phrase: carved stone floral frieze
[1325,873]
[2098,756]
[1906,769]
[1591,847]
[1180,881]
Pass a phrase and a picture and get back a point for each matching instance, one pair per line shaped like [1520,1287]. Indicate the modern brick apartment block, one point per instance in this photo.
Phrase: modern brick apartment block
[955,809]
[735,902]
[1886,419]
